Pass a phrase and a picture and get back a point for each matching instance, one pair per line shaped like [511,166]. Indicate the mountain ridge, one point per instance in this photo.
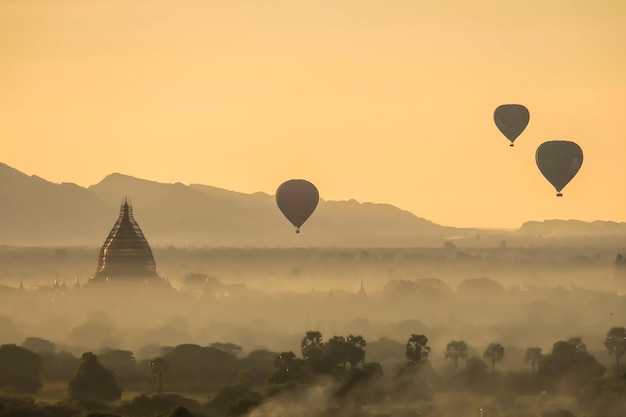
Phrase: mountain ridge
[35,211]
[195,214]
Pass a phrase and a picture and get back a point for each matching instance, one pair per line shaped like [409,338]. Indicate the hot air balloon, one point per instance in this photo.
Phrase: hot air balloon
[297,200]
[511,119]
[559,161]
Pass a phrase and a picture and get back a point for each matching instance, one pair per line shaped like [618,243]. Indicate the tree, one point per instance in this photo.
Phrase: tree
[121,362]
[417,349]
[20,369]
[287,368]
[336,353]
[229,348]
[567,370]
[476,372]
[578,343]
[313,351]
[227,396]
[456,350]
[494,352]
[60,366]
[449,246]
[257,366]
[311,345]
[159,366]
[532,356]
[38,345]
[92,381]
[201,366]
[356,351]
[615,343]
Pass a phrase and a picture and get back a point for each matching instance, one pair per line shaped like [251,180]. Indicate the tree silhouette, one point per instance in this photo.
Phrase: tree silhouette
[336,353]
[287,368]
[456,350]
[121,362]
[356,351]
[159,366]
[312,349]
[417,349]
[578,343]
[494,352]
[615,343]
[311,345]
[20,369]
[202,365]
[257,366]
[38,345]
[229,348]
[532,356]
[567,369]
[476,371]
[92,381]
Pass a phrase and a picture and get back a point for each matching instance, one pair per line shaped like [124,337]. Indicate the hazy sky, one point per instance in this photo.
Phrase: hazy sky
[385,101]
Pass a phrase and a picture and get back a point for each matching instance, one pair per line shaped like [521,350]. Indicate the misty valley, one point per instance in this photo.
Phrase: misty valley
[348,208]
[469,327]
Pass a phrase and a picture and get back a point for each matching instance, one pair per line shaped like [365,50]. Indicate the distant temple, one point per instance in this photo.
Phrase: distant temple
[126,255]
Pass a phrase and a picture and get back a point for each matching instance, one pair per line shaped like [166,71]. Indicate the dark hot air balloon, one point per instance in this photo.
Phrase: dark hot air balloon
[511,119]
[297,200]
[559,161]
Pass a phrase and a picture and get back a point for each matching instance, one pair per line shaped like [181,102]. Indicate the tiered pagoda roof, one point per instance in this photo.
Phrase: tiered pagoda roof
[126,254]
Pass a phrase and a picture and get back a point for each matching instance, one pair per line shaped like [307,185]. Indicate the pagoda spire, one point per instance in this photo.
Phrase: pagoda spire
[126,254]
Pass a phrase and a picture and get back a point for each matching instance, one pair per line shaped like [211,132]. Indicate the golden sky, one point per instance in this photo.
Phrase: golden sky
[378,100]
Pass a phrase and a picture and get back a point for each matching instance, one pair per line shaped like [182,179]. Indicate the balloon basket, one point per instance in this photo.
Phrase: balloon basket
[559,194]
[511,145]
[297,231]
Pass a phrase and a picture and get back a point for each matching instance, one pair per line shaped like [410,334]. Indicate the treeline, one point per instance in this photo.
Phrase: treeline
[235,384]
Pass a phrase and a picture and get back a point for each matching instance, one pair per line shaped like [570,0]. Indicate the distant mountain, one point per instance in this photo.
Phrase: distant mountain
[571,228]
[34,211]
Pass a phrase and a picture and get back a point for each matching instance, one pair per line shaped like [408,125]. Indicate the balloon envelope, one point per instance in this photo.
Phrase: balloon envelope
[511,119]
[297,200]
[559,161]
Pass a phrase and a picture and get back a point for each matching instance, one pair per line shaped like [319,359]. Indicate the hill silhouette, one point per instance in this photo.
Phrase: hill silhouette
[572,228]
[38,212]
[34,211]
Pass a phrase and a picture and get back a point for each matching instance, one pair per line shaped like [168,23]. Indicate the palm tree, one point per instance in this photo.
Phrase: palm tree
[494,352]
[615,343]
[456,350]
[532,356]
[159,366]
[311,343]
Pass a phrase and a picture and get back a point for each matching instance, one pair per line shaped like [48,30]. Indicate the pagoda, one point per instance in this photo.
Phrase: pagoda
[126,255]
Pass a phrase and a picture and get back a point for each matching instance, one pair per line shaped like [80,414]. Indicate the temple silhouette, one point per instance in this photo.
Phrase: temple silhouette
[126,255]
